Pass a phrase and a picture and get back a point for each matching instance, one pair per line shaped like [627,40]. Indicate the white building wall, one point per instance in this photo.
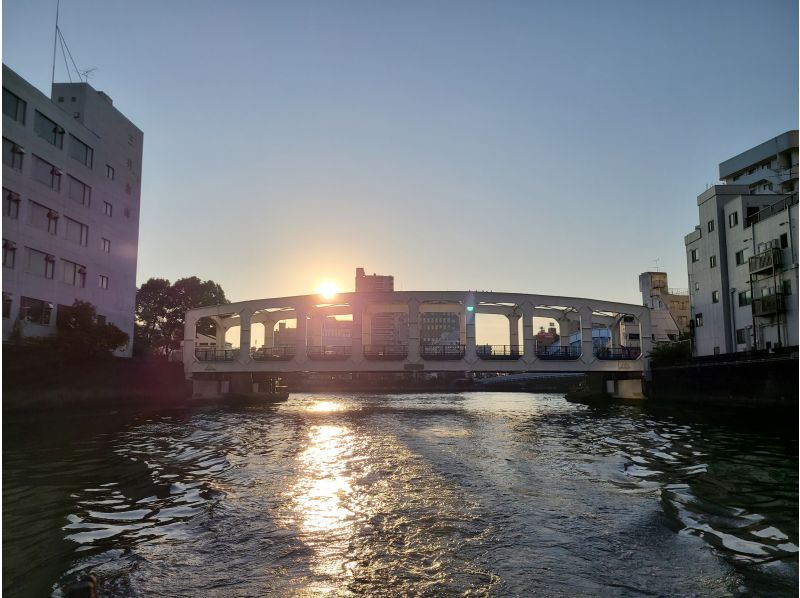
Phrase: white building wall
[85,114]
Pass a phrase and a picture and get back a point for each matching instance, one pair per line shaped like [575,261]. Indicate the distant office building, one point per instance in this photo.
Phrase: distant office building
[72,168]
[439,328]
[660,298]
[330,332]
[389,328]
[742,257]
[283,336]
[547,337]
[373,283]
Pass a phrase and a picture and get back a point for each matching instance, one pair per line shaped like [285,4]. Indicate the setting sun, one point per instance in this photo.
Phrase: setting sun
[328,289]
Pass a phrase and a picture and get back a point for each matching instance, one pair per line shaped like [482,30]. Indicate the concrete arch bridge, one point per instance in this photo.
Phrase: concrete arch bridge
[411,331]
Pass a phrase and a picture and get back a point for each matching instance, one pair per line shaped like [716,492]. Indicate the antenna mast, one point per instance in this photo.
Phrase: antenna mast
[55,42]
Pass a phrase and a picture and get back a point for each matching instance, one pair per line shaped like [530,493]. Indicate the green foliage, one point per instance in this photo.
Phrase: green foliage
[161,310]
[79,335]
[671,354]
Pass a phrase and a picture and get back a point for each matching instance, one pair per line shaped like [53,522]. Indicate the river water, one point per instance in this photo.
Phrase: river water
[429,494]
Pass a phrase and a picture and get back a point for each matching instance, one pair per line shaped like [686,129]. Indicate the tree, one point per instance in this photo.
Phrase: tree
[161,310]
[79,334]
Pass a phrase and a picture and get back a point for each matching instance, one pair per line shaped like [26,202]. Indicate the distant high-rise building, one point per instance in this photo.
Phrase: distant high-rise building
[72,167]
[373,283]
[389,328]
[439,328]
[742,256]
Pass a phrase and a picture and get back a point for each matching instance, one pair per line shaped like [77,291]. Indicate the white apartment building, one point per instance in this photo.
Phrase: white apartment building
[742,257]
[72,168]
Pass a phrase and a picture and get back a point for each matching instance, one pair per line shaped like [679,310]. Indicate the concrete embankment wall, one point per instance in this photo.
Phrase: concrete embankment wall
[34,380]
[748,383]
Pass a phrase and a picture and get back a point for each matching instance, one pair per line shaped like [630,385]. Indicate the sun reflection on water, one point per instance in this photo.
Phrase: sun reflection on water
[325,407]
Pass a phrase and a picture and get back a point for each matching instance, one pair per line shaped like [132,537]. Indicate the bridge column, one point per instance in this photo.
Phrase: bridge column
[300,334]
[413,330]
[471,353]
[189,334]
[645,336]
[220,330]
[528,340]
[513,330]
[357,332]
[244,335]
[587,346]
[564,328]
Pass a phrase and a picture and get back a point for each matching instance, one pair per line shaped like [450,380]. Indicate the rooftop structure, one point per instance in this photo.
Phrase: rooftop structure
[373,283]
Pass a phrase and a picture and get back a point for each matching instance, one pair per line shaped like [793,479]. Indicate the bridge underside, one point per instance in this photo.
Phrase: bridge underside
[407,331]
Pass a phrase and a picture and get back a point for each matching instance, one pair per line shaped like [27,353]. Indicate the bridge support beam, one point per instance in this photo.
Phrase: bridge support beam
[528,340]
[357,333]
[245,317]
[471,352]
[513,330]
[269,333]
[587,345]
[300,334]
[220,330]
[413,331]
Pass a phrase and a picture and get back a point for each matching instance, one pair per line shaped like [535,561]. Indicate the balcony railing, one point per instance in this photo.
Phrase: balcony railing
[217,354]
[558,353]
[386,352]
[442,352]
[329,352]
[283,353]
[771,258]
[499,352]
[617,353]
[778,206]
[769,305]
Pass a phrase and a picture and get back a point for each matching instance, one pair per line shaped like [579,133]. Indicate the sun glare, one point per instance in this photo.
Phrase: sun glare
[328,289]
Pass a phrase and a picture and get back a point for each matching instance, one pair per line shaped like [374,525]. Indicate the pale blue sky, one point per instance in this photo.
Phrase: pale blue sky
[535,147]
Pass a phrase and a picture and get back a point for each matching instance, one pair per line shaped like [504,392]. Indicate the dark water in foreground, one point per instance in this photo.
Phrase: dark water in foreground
[479,493]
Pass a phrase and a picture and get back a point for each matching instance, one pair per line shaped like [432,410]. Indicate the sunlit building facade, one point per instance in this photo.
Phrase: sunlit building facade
[72,168]
[742,256]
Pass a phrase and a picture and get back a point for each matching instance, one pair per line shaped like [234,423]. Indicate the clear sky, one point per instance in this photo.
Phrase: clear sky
[540,147]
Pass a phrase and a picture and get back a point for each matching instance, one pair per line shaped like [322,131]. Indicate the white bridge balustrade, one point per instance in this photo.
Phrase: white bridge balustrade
[311,346]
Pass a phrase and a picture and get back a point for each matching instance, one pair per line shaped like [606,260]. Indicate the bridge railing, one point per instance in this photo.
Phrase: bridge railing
[329,352]
[442,352]
[385,351]
[217,354]
[500,352]
[617,353]
[558,353]
[281,353]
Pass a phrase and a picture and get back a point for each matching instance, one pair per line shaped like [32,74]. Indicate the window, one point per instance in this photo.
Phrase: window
[712,261]
[77,232]
[35,311]
[40,263]
[12,154]
[716,350]
[103,282]
[13,106]
[109,172]
[741,336]
[42,217]
[695,255]
[745,298]
[740,259]
[633,336]
[108,209]
[10,204]
[714,296]
[74,274]
[784,240]
[48,130]
[711,226]
[9,254]
[697,286]
[733,219]
[787,287]
[80,192]
[106,246]
[46,173]
[80,151]
[7,301]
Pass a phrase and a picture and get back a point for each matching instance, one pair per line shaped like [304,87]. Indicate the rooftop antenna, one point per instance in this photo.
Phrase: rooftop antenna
[657,262]
[55,43]
[58,37]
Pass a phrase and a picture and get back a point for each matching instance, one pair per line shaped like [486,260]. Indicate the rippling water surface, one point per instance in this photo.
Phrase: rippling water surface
[477,493]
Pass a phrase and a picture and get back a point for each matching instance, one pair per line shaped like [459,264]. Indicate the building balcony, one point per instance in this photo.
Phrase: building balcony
[617,353]
[771,258]
[386,352]
[442,352]
[329,352]
[769,305]
[558,353]
[284,353]
[499,352]
[217,354]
